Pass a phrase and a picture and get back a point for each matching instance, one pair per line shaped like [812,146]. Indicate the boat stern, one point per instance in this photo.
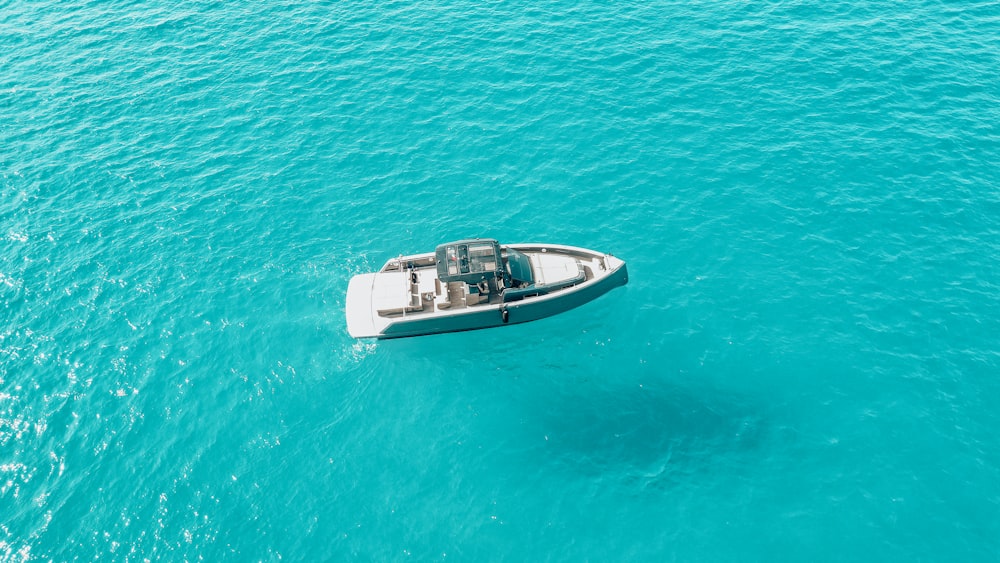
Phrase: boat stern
[359,309]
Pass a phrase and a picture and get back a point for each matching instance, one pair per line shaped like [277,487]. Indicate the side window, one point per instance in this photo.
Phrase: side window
[452,258]
[463,259]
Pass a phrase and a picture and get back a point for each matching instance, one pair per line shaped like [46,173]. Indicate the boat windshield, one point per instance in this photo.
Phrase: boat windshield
[519,268]
[468,260]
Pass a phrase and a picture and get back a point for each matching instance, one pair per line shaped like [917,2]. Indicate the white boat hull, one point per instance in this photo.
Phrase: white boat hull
[390,304]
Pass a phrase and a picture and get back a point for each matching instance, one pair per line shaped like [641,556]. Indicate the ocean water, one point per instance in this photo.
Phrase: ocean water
[805,364]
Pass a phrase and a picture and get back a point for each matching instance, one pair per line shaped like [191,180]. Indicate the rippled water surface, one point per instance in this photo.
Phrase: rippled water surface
[805,364]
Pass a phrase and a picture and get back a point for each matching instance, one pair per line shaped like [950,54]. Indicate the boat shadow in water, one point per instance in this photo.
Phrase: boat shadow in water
[651,435]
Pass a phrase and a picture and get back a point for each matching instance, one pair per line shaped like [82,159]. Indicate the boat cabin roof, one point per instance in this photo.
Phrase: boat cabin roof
[469,261]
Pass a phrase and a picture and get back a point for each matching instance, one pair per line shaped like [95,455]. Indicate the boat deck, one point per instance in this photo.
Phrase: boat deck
[395,293]
[411,296]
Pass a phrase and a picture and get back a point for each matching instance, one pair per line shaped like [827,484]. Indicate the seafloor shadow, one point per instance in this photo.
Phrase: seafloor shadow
[650,434]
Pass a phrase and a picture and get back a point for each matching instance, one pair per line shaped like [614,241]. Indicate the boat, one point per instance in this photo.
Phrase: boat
[476,283]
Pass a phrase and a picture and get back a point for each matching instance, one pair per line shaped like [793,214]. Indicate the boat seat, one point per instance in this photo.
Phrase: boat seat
[400,310]
[454,294]
[414,296]
[444,299]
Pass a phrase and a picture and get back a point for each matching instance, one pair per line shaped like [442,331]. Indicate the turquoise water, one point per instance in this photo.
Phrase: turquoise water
[803,366]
